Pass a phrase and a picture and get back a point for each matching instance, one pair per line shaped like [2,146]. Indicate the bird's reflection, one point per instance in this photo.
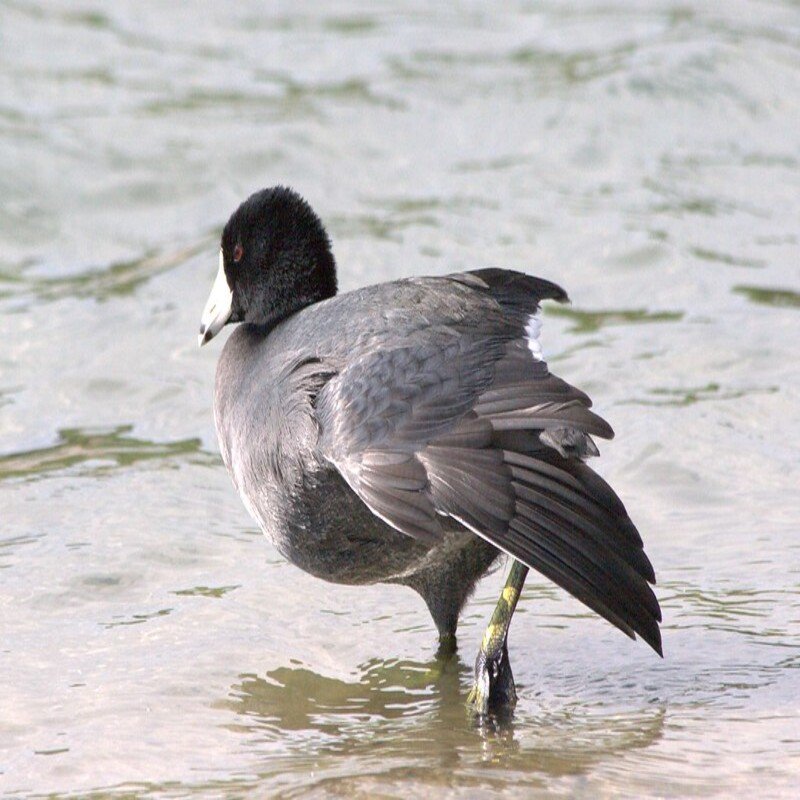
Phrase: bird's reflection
[296,698]
[413,713]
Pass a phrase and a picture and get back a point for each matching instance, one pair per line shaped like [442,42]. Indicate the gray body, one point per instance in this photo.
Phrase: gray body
[409,432]
[269,436]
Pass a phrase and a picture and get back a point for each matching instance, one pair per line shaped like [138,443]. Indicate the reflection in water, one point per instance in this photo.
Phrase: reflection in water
[781,298]
[718,257]
[116,280]
[663,396]
[276,94]
[206,591]
[88,446]
[389,228]
[295,697]
[137,619]
[593,321]
[402,719]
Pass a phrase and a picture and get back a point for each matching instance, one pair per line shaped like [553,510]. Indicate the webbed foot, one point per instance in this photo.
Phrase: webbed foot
[493,688]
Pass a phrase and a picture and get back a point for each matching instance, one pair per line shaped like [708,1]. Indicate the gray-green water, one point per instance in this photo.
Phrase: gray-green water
[646,155]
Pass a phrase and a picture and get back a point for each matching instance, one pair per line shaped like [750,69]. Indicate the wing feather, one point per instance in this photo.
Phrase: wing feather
[464,420]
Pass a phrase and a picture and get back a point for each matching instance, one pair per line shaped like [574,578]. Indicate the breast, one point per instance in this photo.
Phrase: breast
[267,431]
[264,420]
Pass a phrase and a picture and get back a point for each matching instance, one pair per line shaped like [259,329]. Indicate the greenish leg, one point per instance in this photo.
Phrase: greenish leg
[494,683]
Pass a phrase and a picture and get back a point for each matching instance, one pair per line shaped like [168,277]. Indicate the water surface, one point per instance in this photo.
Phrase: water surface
[644,155]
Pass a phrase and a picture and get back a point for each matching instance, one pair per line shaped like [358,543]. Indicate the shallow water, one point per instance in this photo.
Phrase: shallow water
[645,155]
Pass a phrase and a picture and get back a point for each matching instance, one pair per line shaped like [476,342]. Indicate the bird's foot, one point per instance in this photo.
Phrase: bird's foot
[493,689]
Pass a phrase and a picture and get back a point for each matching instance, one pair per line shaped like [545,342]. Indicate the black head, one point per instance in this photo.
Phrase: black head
[275,258]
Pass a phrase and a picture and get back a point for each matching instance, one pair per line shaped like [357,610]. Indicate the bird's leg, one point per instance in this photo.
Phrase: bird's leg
[447,646]
[494,683]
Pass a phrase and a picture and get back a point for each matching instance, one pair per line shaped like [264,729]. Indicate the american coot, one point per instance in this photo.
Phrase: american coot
[411,431]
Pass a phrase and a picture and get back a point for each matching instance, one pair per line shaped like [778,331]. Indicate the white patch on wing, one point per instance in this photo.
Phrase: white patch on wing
[532,331]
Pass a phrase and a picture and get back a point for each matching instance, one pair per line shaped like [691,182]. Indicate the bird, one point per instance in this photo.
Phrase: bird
[411,432]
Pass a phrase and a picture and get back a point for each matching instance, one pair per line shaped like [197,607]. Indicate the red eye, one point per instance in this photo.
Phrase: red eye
[238,252]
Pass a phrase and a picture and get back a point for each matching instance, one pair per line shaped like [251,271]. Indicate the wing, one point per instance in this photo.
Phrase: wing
[465,420]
